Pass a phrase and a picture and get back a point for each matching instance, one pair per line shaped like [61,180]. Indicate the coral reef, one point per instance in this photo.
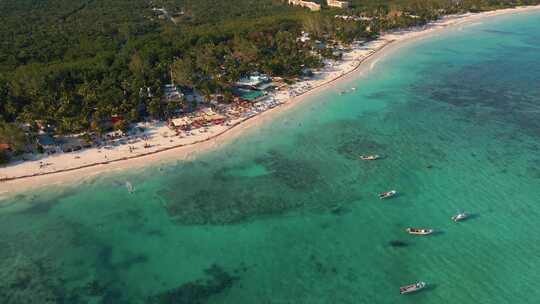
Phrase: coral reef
[23,280]
[223,207]
[352,148]
[398,243]
[198,291]
[219,197]
[294,173]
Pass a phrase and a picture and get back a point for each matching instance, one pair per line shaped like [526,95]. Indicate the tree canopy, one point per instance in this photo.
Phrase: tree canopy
[74,64]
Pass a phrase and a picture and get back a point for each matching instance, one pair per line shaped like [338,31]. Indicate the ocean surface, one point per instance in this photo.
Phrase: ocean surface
[287,213]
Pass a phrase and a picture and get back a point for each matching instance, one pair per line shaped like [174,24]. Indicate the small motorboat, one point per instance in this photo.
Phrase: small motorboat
[387,194]
[412,288]
[369,157]
[129,187]
[460,217]
[419,231]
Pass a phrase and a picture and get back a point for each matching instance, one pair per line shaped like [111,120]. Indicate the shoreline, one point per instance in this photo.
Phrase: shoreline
[14,181]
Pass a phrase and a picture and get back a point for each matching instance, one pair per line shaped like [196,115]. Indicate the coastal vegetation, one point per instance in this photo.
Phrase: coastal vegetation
[69,67]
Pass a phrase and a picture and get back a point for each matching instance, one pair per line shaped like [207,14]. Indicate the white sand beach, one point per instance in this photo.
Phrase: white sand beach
[162,144]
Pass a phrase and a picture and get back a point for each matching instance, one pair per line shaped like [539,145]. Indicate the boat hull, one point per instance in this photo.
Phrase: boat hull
[460,217]
[369,157]
[388,194]
[412,288]
[419,231]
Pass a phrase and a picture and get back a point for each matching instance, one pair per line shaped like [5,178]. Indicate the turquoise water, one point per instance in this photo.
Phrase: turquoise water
[288,214]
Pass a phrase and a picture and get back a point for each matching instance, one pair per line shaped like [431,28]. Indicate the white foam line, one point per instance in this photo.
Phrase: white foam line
[476,23]
[373,64]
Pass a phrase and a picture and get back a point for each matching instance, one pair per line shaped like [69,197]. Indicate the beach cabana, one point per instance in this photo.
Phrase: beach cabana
[181,122]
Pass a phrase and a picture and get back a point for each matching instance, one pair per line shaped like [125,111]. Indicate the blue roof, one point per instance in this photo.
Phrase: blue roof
[46,140]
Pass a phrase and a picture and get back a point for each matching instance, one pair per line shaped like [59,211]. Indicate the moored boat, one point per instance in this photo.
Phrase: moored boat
[387,194]
[412,288]
[460,217]
[369,157]
[419,231]
[129,187]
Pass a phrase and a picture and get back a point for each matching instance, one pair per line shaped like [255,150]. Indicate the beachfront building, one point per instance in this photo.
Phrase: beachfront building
[201,118]
[338,4]
[180,123]
[253,87]
[308,4]
[171,93]
[253,81]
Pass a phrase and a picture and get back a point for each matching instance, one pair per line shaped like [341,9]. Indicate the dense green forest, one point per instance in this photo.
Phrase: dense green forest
[72,64]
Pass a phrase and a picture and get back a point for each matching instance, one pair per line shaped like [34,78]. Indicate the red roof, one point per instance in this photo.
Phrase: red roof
[116,119]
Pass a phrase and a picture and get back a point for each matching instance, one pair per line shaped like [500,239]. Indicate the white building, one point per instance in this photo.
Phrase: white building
[171,93]
[338,4]
[311,5]
[253,80]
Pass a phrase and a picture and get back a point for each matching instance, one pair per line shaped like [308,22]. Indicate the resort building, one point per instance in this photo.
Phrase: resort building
[311,5]
[338,4]
[254,86]
[253,80]
[181,122]
[171,93]
[201,118]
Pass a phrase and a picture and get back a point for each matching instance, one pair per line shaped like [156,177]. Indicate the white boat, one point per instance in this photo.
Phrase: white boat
[369,157]
[387,194]
[419,231]
[460,217]
[412,288]
[129,187]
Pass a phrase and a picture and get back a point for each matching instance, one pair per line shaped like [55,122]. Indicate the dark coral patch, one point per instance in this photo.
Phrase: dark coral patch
[198,291]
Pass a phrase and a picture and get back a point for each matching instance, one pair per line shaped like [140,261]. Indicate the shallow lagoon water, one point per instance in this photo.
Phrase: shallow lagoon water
[289,214]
